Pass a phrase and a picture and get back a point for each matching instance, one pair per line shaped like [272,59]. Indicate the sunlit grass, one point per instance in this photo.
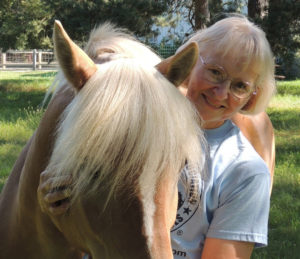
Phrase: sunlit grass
[21,95]
[284,221]
[25,81]
[285,102]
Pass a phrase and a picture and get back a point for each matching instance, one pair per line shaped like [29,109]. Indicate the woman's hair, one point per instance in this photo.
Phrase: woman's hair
[244,42]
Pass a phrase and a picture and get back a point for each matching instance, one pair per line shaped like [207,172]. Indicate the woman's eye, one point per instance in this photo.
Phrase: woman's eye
[241,86]
[215,72]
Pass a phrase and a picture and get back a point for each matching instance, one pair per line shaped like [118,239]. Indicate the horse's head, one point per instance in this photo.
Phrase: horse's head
[124,139]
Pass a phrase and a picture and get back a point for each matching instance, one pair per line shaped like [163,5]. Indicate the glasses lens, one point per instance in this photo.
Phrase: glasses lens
[241,89]
[214,74]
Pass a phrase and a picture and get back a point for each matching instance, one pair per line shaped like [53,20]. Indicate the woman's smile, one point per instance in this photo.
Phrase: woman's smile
[211,102]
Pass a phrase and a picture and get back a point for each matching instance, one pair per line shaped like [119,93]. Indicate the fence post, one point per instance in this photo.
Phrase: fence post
[40,59]
[3,60]
[34,59]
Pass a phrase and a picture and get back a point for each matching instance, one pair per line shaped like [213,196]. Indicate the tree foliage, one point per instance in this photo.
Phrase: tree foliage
[257,9]
[282,26]
[278,18]
[24,24]
[28,23]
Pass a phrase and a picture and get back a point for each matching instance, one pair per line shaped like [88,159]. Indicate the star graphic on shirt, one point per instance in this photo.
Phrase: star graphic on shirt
[187,210]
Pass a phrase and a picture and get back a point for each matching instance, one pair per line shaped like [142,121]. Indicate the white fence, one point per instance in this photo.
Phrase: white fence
[32,59]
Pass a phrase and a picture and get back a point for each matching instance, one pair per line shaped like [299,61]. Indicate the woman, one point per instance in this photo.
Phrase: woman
[234,74]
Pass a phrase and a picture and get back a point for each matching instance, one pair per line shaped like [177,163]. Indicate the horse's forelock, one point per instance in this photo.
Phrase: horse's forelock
[110,39]
[127,122]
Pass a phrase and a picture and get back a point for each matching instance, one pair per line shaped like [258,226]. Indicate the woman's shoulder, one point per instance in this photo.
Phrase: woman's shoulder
[233,154]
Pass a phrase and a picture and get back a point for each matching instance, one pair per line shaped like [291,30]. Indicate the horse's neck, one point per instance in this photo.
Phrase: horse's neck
[40,149]
[22,223]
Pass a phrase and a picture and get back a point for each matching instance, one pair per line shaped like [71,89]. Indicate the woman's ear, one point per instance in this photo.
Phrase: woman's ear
[248,107]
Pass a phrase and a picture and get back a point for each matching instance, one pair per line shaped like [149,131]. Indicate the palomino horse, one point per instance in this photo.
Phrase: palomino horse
[120,129]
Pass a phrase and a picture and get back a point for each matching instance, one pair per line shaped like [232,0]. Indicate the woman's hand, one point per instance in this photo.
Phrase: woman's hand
[54,201]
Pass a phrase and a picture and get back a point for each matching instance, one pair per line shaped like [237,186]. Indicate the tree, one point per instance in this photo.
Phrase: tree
[28,23]
[257,8]
[84,15]
[24,24]
[282,27]
[201,13]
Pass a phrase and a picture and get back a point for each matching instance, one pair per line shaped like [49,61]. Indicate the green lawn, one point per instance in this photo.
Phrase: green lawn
[284,222]
[21,95]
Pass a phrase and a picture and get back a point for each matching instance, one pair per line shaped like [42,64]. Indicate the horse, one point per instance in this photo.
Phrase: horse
[119,126]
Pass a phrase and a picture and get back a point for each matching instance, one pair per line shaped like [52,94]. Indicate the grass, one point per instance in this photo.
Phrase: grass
[284,222]
[21,95]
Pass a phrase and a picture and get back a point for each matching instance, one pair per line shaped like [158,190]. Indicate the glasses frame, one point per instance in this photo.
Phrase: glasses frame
[226,79]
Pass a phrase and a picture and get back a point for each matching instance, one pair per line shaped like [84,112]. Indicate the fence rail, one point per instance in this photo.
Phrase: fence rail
[32,59]
[42,59]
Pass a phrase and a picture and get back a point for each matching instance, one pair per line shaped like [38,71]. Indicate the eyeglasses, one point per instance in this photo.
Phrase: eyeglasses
[216,74]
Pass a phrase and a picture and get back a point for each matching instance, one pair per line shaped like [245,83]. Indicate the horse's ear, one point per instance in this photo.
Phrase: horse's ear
[177,68]
[75,63]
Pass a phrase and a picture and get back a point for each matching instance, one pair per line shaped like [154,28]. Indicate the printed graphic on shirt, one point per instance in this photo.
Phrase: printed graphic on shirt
[189,195]
[179,253]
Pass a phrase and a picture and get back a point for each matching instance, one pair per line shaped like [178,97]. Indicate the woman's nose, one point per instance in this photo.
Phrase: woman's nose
[221,90]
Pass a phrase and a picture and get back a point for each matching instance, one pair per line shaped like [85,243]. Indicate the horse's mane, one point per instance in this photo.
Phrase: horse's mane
[127,121]
[104,40]
[108,38]
[128,124]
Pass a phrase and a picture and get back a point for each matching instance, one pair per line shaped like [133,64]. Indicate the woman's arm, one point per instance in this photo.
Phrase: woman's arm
[226,249]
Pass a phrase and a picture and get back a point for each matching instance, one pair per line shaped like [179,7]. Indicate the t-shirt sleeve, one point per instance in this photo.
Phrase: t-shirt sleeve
[244,202]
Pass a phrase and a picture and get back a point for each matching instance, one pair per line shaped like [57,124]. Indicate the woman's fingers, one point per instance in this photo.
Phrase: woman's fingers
[54,200]
[47,181]
[57,195]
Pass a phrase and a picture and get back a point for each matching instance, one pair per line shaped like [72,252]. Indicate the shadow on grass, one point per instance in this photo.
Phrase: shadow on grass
[49,74]
[285,119]
[287,133]
[284,223]
[284,220]
[283,89]
[8,158]
[13,105]
[11,85]
[12,151]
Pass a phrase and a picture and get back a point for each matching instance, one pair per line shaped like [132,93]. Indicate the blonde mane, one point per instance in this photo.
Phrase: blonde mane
[127,126]
[127,121]
[106,40]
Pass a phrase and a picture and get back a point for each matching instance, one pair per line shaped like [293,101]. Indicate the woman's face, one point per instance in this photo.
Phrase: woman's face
[212,85]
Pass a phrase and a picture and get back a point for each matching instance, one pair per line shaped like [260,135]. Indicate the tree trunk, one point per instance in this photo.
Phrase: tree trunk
[202,14]
[257,8]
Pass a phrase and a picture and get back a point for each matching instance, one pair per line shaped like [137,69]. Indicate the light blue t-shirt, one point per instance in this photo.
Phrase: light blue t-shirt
[234,196]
